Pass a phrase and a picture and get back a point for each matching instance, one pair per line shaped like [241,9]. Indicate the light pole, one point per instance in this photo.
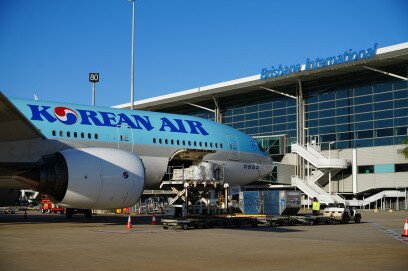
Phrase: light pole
[132,76]
[330,168]
[93,78]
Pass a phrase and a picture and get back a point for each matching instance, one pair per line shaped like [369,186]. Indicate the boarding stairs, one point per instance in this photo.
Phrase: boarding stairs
[312,184]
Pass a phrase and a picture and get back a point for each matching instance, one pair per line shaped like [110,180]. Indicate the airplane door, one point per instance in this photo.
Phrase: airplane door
[125,137]
[233,147]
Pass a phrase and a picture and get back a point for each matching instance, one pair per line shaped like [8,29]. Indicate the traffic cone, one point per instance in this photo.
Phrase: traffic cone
[129,223]
[154,219]
[405,231]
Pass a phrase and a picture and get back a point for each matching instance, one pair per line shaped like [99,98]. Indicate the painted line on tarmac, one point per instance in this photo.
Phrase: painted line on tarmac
[392,233]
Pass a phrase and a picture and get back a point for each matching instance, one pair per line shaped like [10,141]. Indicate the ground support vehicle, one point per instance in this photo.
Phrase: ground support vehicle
[276,221]
[238,220]
[221,221]
[48,207]
[342,214]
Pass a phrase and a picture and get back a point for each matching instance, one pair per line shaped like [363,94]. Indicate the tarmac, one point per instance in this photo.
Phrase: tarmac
[51,242]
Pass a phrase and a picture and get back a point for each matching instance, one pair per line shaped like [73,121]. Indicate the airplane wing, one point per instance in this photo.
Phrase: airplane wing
[14,125]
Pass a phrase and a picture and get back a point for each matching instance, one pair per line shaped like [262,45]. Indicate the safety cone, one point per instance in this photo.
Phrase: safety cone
[405,231]
[129,223]
[154,219]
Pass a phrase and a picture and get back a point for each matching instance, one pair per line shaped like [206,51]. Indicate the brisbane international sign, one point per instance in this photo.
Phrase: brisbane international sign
[311,64]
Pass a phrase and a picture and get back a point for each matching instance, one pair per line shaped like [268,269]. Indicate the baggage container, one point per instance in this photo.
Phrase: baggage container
[281,202]
[289,202]
[249,202]
[270,202]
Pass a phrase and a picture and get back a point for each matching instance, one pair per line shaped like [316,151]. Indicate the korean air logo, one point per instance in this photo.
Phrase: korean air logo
[65,115]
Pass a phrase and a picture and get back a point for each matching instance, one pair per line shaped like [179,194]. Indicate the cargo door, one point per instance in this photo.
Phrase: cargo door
[233,147]
[125,137]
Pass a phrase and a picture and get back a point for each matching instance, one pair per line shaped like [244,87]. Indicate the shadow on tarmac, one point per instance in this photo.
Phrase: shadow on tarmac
[120,219]
[107,219]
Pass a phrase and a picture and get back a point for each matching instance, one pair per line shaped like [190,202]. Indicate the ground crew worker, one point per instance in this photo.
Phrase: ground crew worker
[316,206]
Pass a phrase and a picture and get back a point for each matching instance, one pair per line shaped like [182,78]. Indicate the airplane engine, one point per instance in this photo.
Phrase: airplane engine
[92,178]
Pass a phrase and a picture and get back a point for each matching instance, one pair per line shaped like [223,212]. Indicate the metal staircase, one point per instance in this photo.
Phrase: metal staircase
[321,177]
[311,185]
[312,190]
[317,159]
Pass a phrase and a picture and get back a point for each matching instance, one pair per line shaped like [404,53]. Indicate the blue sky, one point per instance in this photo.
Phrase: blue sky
[48,47]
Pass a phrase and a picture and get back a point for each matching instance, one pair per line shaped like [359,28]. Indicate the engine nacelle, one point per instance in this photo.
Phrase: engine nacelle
[93,178]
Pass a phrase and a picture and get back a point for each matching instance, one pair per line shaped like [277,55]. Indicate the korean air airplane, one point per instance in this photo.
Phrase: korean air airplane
[102,158]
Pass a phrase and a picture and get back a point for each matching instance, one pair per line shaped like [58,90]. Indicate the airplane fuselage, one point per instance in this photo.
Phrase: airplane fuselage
[154,137]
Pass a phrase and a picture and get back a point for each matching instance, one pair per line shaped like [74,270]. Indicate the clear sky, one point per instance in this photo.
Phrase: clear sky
[48,47]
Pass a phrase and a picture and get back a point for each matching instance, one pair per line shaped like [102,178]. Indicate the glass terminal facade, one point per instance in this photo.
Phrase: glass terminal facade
[373,113]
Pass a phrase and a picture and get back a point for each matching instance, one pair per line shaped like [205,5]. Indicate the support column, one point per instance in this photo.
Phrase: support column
[217,111]
[226,195]
[300,135]
[186,188]
[354,171]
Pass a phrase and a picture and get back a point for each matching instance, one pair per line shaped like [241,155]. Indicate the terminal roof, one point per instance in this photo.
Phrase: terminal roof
[386,56]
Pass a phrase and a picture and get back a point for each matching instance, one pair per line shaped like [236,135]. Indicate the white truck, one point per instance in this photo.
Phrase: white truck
[342,213]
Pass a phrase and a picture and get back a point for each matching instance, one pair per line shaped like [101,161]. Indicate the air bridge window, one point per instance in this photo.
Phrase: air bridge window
[68,134]
[96,136]
[166,141]
[200,144]
[178,142]
[61,133]
[172,142]
[221,145]
[53,133]
[195,143]
[160,141]
[154,140]
[75,134]
[189,143]
[82,135]
[184,142]
[216,145]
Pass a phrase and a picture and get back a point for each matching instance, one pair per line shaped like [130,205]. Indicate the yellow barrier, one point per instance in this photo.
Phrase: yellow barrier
[249,215]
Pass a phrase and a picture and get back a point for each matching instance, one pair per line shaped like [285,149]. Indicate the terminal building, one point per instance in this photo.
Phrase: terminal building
[335,126]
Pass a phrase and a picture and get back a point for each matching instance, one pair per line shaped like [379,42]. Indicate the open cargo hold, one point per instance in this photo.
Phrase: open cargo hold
[270,202]
[204,171]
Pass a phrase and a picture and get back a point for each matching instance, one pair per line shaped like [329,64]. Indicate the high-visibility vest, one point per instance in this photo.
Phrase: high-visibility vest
[316,206]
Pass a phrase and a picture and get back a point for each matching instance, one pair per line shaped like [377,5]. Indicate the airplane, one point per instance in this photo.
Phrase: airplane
[93,157]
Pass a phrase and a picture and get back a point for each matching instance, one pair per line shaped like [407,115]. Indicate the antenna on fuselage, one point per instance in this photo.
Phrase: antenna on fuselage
[36,97]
